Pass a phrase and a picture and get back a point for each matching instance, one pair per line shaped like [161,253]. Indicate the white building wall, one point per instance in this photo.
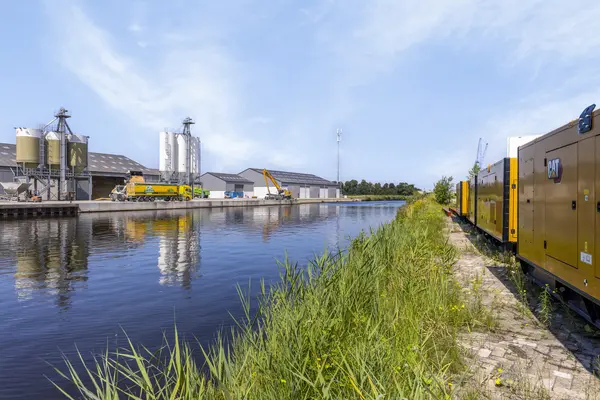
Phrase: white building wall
[323,193]
[216,194]
[261,191]
[337,193]
[248,194]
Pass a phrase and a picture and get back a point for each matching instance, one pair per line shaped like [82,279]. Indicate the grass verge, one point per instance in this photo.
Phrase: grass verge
[379,322]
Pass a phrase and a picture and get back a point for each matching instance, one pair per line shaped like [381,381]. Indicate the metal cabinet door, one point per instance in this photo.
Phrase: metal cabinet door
[561,205]
[526,208]
[586,206]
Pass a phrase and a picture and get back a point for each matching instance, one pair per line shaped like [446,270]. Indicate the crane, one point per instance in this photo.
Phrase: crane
[282,194]
[480,153]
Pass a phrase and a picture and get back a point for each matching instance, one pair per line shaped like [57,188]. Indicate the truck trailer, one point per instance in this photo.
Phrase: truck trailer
[136,191]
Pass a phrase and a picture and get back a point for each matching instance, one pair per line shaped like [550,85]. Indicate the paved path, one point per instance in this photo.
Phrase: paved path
[522,358]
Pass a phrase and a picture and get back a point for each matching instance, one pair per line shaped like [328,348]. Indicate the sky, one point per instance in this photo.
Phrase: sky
[413,84]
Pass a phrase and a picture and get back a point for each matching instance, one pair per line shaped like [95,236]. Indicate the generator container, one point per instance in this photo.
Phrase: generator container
[497,200]
[559,210]
[472,203]
[462,201]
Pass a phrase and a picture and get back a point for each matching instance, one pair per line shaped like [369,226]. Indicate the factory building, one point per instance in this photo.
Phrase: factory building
[107,170]
[226,185]
[302,186]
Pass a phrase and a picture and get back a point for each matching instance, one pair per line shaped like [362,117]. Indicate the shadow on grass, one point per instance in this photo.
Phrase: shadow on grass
[575,334]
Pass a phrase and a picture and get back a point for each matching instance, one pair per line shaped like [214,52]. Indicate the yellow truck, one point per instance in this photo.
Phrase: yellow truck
[137,191]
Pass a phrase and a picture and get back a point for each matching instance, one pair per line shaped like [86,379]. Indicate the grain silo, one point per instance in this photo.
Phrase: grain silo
[77,152]
[179,155]
[182,154]
[53,160]
[195,157]
[28,147]
[53,149]
[168,154]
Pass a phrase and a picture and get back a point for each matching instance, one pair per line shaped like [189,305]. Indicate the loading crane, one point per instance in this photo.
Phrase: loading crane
[282,194]
[481,151]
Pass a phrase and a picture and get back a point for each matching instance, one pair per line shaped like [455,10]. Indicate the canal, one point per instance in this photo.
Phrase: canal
[83,280]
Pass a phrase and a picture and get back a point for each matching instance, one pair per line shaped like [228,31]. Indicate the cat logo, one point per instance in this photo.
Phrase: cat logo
[555,170]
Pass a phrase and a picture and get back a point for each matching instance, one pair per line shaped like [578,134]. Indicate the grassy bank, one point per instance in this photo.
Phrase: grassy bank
[379,322]
[379,197]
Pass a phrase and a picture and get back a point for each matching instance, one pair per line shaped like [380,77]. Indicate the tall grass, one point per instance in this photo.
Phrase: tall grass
[379,322]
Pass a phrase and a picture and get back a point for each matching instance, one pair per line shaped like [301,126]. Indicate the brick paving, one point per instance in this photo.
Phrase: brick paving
[521,358]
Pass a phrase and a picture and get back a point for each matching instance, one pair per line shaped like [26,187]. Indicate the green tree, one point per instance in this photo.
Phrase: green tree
[475,170]
[443,190]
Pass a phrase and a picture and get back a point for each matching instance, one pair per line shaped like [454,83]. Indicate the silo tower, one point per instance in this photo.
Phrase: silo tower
[187,136]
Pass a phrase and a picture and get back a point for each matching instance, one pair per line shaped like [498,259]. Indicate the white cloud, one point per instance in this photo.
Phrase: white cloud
[135,27]
[360,41]
[199,82]
[532,37]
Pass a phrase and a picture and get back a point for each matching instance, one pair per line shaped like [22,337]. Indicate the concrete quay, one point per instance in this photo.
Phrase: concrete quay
[62,208]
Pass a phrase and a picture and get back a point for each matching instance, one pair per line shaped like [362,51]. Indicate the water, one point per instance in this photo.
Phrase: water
[81,280]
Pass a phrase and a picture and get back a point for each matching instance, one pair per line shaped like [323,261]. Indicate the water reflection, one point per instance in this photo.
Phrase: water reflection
[48,254]
[178,249]
[51,255]
[66,281]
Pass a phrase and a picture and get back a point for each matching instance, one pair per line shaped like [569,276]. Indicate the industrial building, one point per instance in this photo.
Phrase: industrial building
[54,163]
[223,185]
[302,186]
[106,171]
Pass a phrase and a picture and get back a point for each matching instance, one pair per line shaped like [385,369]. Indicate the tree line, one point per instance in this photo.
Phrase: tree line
[353,187]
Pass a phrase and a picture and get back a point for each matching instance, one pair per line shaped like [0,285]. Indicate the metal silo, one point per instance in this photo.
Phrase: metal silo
[53,148]
[77,148]
[168,152]
[195,156]
[182,154]
[28,146]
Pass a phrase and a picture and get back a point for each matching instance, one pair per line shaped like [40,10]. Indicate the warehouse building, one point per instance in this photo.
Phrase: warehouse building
[223,185]
[302,186]
[107,170]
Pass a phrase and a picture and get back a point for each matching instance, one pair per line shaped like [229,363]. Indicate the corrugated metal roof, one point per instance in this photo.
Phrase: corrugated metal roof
[99,162]
[296,177]
[229,177]
[8,155]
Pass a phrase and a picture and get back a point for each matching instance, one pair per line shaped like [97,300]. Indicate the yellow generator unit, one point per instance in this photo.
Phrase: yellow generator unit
[462,198]
[497,200]
[472,204]
[559,211]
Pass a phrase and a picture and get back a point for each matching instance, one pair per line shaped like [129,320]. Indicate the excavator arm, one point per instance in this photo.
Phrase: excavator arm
[268,177]
[282,194]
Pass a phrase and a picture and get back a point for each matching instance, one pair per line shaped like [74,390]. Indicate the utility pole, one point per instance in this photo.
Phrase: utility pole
[339,139]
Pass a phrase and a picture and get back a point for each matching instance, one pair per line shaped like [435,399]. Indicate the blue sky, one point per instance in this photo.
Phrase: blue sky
[413,84]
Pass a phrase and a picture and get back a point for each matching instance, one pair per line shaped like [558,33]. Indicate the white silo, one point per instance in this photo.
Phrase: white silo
[195,156]
[182,154]
[168,152]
